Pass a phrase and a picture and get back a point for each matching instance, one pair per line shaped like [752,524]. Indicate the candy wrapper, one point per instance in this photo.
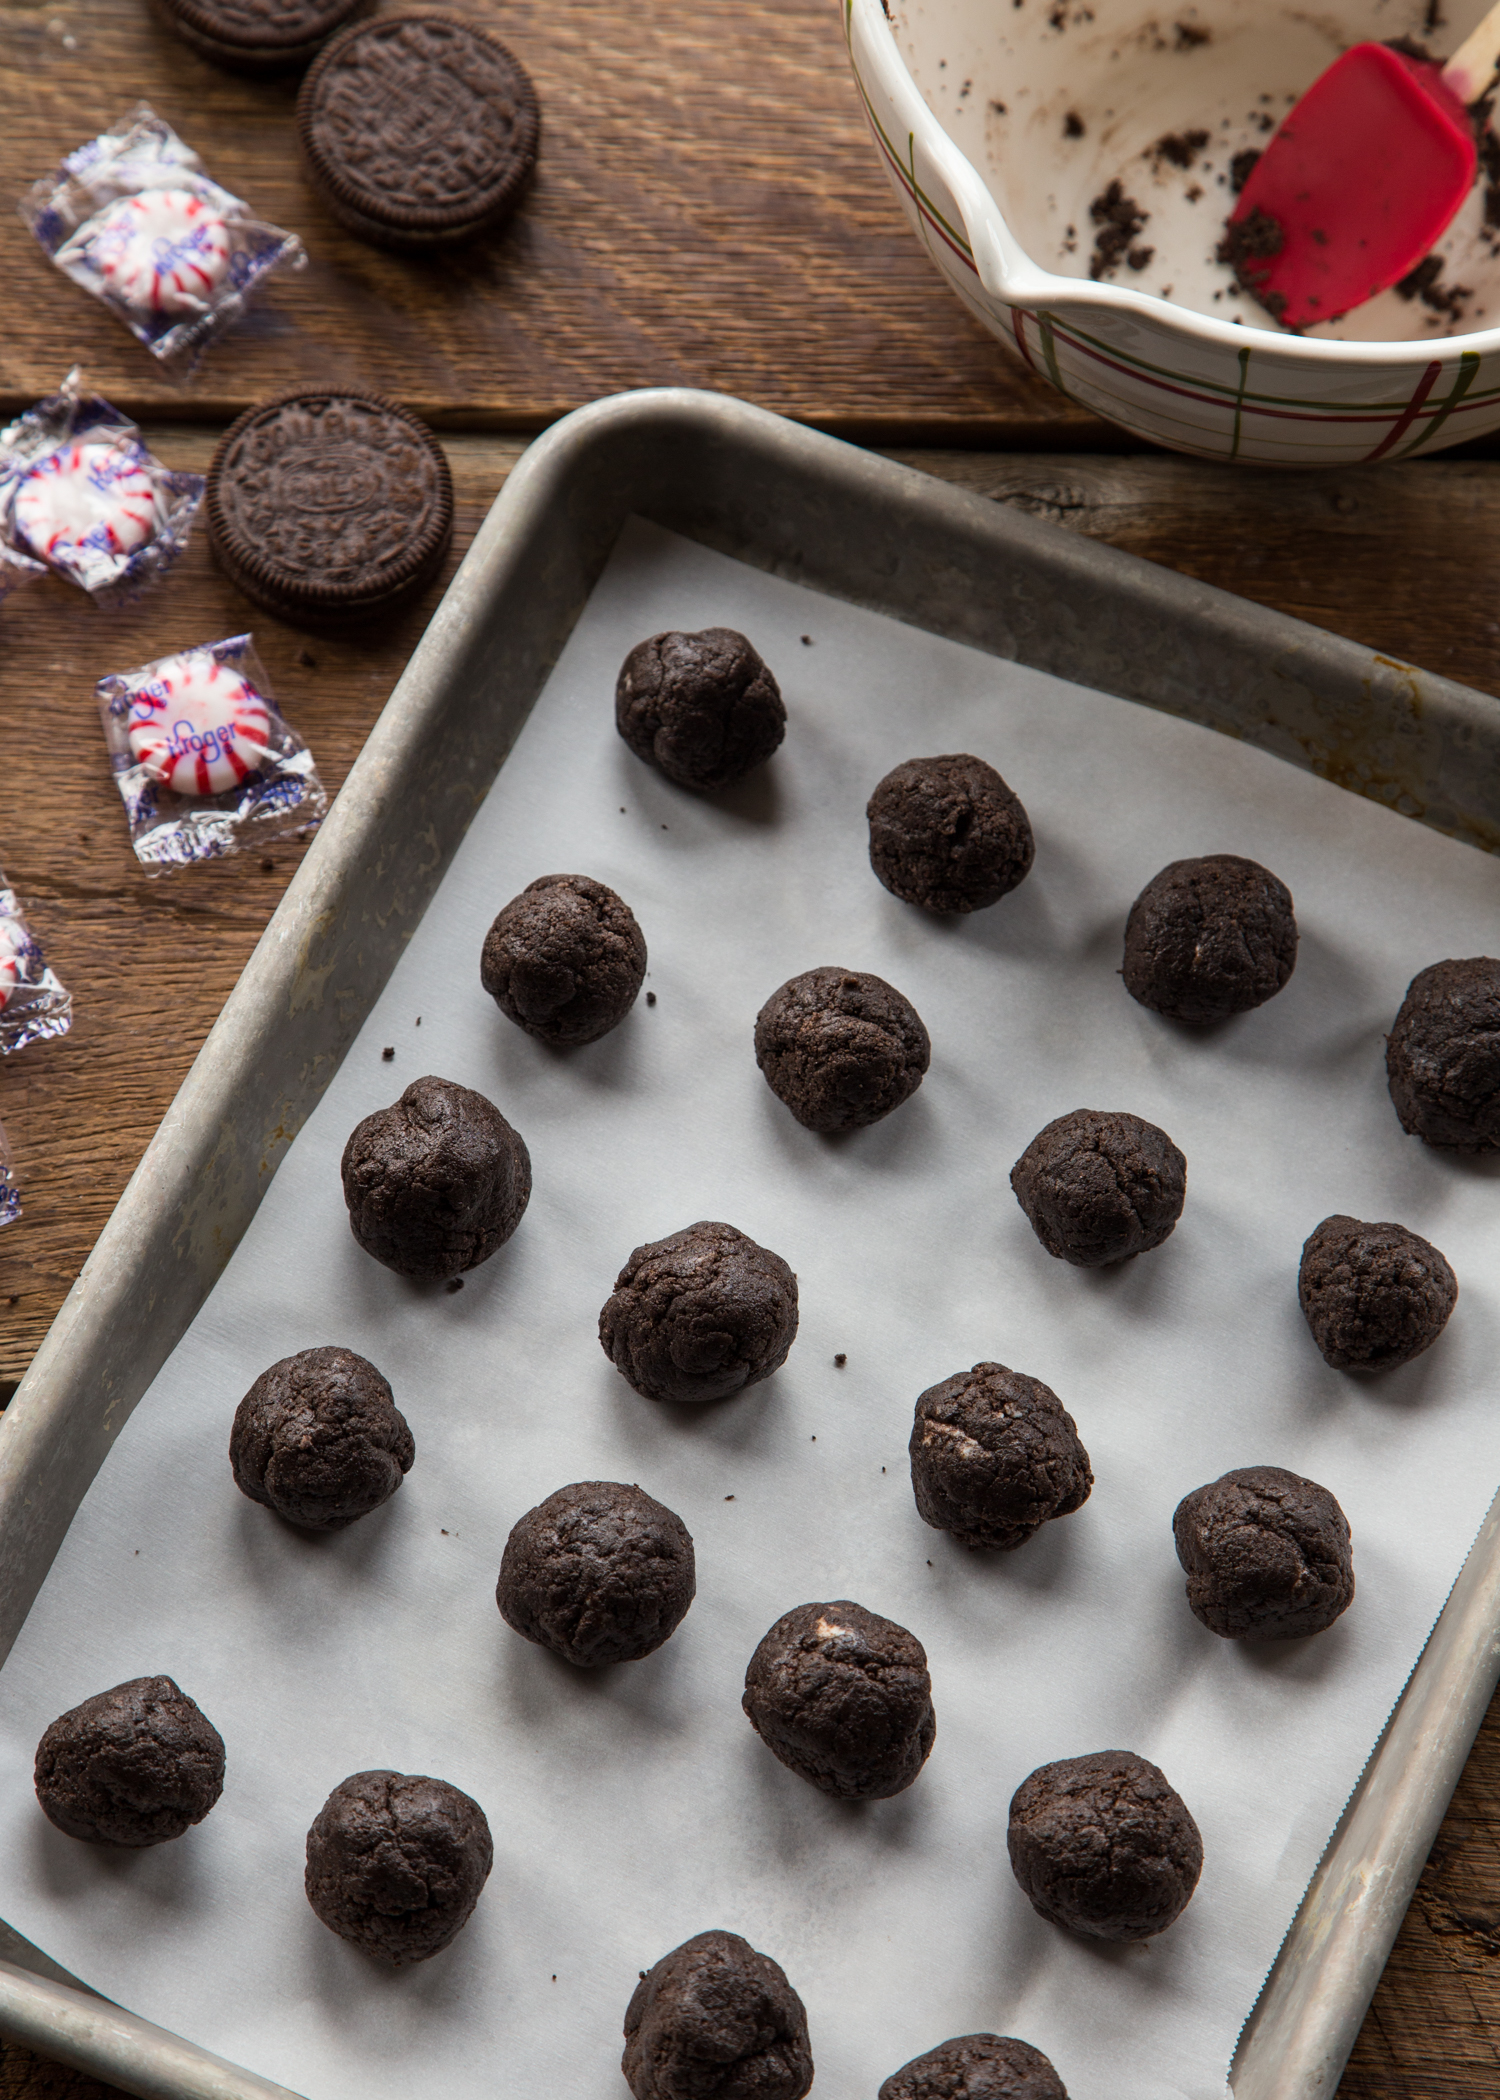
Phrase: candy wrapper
[32,1002]
[134,217]
[10,1200]
[204,762]
[80,494]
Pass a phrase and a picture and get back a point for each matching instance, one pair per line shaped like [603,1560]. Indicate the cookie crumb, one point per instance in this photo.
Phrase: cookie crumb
[1072,125]
[454,1283]
[841,1359]
[729,1498]
[651,998]
[419,1020]
[1239,167]
[443,1530]
[1119,219]
[388,1054]
[807,640]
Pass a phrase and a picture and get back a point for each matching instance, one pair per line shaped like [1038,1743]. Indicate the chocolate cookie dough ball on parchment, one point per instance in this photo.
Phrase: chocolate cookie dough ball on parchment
[841,1048]
[1267,1555]
[1374,1295]
[435,1183]
[598,1573]
[319,1439]
[702,708]
[395,1863]
[948,834]
[714,2018]
[994,1455]
[1100,1185]
[700,1315]
[976,2067]
[132,1766]
[565,959]
[843,1698]
[1103,1845]
[1209,938]
[1442,1056]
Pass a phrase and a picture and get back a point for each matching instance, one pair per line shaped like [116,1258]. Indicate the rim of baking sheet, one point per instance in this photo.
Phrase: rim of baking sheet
[859,527]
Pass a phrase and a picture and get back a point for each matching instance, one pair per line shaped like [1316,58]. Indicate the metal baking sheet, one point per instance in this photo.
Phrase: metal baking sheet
[739,480]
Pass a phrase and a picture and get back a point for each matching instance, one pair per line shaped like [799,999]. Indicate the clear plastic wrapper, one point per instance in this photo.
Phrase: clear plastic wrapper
[135,218]
[10,1199]
[32,1002]
[81,494]
[204,762]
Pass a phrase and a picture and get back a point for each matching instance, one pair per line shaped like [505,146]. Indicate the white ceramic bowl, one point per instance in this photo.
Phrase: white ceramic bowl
[970,104]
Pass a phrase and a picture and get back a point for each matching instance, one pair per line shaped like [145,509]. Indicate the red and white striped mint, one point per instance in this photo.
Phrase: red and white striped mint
[14,953]
[161,251]
[198,727]
[86,500]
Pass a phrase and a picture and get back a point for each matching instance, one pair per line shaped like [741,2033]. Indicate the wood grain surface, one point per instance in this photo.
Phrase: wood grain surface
[708,210]
[1388,556]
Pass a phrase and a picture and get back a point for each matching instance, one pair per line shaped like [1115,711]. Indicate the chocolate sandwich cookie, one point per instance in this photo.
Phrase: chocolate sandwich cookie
[329,508]
[256,36]
[419,130]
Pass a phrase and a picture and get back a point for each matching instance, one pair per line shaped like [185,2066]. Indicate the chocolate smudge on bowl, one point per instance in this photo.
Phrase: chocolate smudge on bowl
[1240,166]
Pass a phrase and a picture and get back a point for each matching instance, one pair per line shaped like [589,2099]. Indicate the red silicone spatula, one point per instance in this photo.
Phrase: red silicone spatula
[1361,178]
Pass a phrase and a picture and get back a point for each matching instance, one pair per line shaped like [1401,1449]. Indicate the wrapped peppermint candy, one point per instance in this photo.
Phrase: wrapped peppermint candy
[134,217]
[32,1002]
[80,493]
[10,1198]
[202,758]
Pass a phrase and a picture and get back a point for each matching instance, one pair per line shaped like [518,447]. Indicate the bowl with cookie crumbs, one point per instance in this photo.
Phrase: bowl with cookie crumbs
[1072,166]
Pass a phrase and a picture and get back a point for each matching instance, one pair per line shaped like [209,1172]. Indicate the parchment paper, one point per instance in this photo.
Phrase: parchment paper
[634,1807]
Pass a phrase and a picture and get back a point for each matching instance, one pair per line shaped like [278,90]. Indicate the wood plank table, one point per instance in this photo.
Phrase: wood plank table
[708,211]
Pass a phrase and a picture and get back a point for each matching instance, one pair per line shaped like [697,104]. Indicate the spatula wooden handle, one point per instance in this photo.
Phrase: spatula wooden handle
[1472,67]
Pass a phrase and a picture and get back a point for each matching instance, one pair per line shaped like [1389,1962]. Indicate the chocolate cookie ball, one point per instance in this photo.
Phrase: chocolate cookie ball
[395,1863]
[994,1456]
[714,2018]
[1267,1555]
[1103,1845]
[976,2067]
[1442,1056]
[1209,938]
[565,959]
[1374,1295]
[702,708]
[436,1182]
[598,1573]
[841,1048]
[319,1439]
[948,833]
[132,1766]
[843,1698]
[700,1315]
[1100,1186]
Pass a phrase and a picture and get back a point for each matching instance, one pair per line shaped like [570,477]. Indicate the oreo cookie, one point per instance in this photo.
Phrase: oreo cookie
[257,36]
[329,508]
[419,131]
